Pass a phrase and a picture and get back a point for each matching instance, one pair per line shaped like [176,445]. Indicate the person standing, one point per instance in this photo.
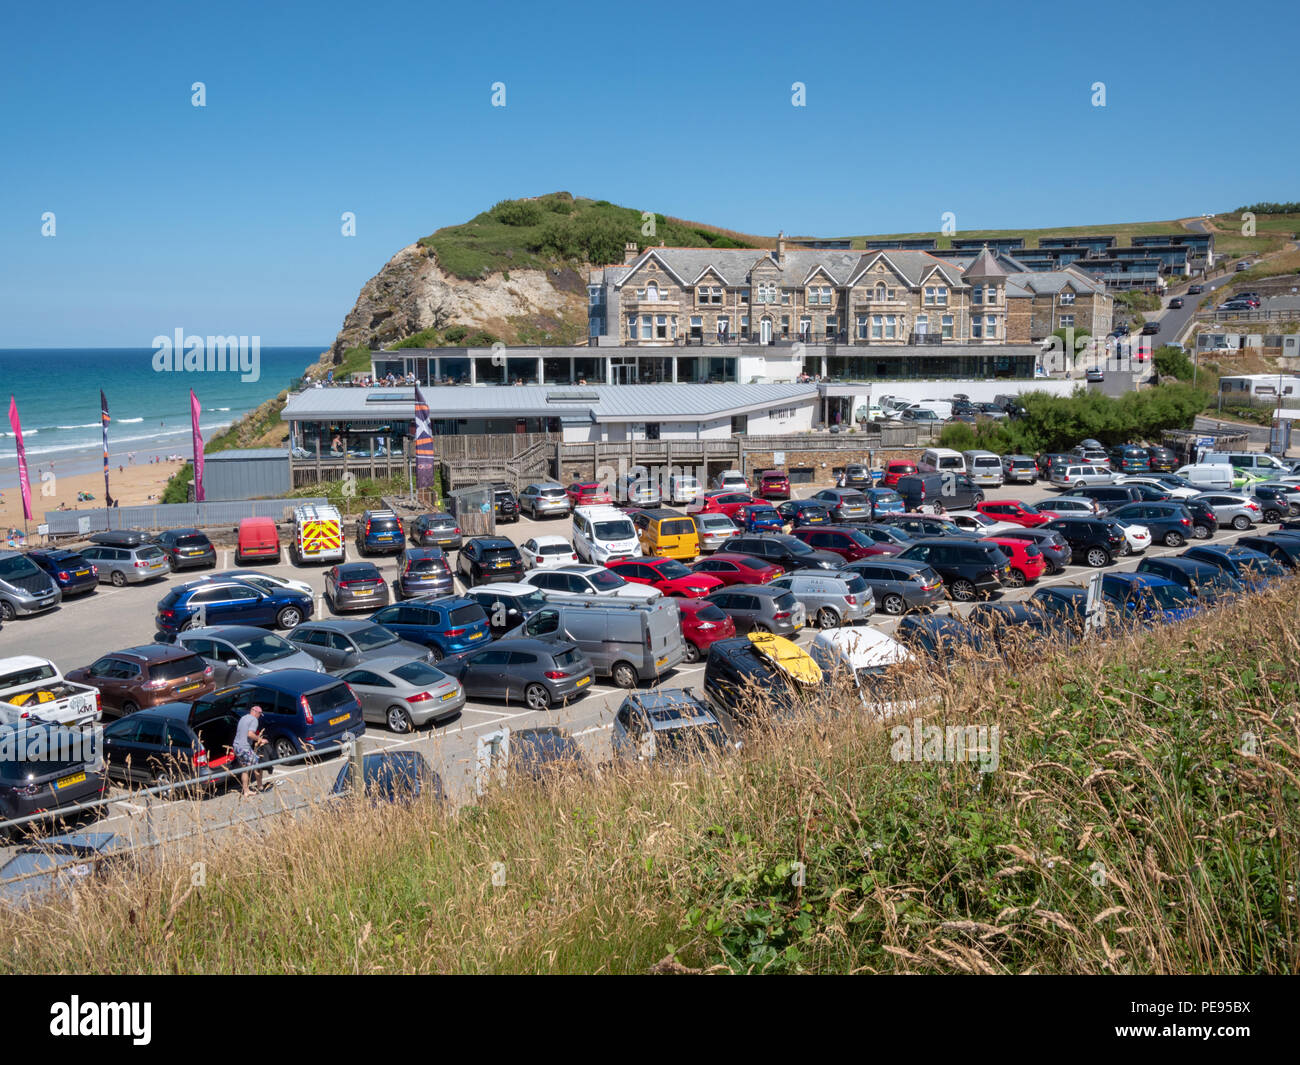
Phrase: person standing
[248,738]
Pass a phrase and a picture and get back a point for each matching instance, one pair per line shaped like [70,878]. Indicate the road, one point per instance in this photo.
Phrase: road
[114,618]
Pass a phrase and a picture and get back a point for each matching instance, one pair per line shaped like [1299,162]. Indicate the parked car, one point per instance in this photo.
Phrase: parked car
[721,502]
[545,754]
[1276,501]
[160,744]
[760,517]
[774,484]
[1170,523]
[1209,583]
[800,512]
[404,694]
[829,599]
[341,644]
[919,526]
[1109,496]
[1014,512]
[600,534]
[73,776]
[484,559]
[790,553]
[422,571]
[1080,475]
[73,574]
[1026,560]
[666,533]
[731,481]
[1252,568]
[883,501]
[1161,459]
[714,531]
[760,676]
[737,568]
[667,575]
[399,777]
[1129,458]
[505,503]
[237,653]
[232,602]
[379,532]
[1055,551]
[1019,469]
[1231,508]
[587,493]
[532,673]
[1283,549]
[146,675]
[122,565]
[703,624]
[977,523]
[844,504]
[186,549]
[544,499]
[1094,375]
[587,580]
[667,724]
[640,489]
[899,585]
[855,476]
[507,603]
[445,626]
[355,586]
[1092,541]
[969,568]
[760,608]
[1075,506]
[436,530]
[952,490]
[547,552]
[896,470]
[1151,328]
[849,542]
[1143,597]
[257,539]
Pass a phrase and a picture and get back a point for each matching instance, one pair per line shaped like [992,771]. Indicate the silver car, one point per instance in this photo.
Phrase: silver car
[342,644]
[845,504]
[1074,475]
[25,588]
[830,599]
[1072,506]
[715,530]
[544,499]
[127,565]
[1232,508]
[241,652]
[404,694]
[760,608]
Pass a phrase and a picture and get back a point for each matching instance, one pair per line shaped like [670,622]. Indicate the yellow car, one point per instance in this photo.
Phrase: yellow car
[788,657]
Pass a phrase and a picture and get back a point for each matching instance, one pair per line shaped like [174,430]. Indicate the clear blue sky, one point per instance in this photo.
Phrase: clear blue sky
[225,219]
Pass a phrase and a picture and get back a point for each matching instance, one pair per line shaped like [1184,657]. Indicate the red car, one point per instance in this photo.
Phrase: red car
[587,493]
[895,470]
[773,484]
[703,623]
[667,574]
[1012,510]
[722,501]
[849,543]
[732,568]
[1027,561]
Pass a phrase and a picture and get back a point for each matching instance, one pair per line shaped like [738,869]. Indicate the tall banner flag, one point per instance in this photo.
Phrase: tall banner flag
[23,482]
[104,420]
[423,442]
[198,447]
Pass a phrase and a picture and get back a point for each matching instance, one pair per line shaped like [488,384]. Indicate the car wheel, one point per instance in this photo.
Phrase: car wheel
[435,653]
[1241,523]
[691,653]
[289,617]
[893,604]
[1272,516]
[623,675]
[758,626]
[1098,557]
[7,610]
[537,697]
[186,626]
[399,720]
[118,578]
[1126,549]
[1201,532]
[962,590]
[283,747]
[979,497]
[827,618]
[128,707]
[1174,539]
[1014,579]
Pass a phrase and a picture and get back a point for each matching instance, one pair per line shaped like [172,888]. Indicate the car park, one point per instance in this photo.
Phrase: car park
[600,534]
[666,533]
[789,553]
[237,653]
[379,532]
[667,724]
[714,530]
[760,676]
[803,512]
[1231,508]
[445,626]
[506,603]
[120,566]
[1209,583]
[1169,523]
[977,523]
[1026,563]
[537,674]
[703,624]
[257,539]
[1144,597]
[439,529]
[73,574]
[587,580]
[773,484]
[844,504]
[355,586]
[484,559]
[1019,469]
[547,552]
[969,568]
[340,644]
[760,608]
[1092,541]
[899,585]
[1055,551]
[147,675]
[404,694]
[544,499]
[186,549]
[849,542]
[759,517]
[829,599]
[229,602]
[667,575]
[952,490]
[737,568]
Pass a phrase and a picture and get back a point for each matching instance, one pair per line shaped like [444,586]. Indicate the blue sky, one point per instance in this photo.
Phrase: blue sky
[226,218]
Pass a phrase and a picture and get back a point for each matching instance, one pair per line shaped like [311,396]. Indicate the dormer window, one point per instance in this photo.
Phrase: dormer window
[652,292]
[1067,298]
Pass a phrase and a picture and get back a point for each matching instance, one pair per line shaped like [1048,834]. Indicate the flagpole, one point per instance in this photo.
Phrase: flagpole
[104,420]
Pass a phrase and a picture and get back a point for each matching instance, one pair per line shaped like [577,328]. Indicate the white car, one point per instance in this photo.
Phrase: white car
[732,481]
[1137,538]
[975,522]
[1175,491]
[266,581]
[588,580]
[547,552]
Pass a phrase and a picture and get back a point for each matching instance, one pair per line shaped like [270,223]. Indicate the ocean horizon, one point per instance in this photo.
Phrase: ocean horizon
[57,392]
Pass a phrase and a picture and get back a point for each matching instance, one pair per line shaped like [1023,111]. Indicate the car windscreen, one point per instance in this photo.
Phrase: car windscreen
[265,647]
[469,614]
[20,566]
[691,739]
[419,674]
[327,699]
[176,668]
[614,530]
[372,636]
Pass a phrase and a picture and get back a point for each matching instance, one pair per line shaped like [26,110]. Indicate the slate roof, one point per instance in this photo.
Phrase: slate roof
[734,265]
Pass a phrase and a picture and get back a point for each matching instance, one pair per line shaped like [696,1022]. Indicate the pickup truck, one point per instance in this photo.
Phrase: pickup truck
[33,687]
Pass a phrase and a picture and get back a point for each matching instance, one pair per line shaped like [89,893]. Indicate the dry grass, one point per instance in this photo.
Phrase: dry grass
[1142,818]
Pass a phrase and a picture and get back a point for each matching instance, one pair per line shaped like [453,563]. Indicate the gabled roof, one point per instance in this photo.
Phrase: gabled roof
[912,266]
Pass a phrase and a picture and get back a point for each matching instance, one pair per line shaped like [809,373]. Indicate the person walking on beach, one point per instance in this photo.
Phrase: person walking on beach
[247,739]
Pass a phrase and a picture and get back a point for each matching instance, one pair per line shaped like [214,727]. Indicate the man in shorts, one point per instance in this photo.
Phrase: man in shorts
[247,739]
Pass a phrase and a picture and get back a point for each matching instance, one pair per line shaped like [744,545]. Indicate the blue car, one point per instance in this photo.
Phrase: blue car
[761,517]
[1144,597]
[446,626]
[301,710]
[72,573]
[1253,568]
[230,602]
[884,501]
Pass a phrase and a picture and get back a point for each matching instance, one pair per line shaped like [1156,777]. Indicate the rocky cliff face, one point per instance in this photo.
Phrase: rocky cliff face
[411,293]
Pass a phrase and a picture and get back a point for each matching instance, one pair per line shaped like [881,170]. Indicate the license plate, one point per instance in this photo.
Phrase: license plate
[340,718]
[449,695]
[476,635]
[189,687]
[82,573]
[67,782]
[581,682]
[500,565]
[661,661]
[47,602]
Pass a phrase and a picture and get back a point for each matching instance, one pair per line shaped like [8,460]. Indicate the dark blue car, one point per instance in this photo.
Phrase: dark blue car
[230,602]
[1252,568]
[761,517]
[301,710]
[1209,583]
[446,626]
[1144,597]
[72,573]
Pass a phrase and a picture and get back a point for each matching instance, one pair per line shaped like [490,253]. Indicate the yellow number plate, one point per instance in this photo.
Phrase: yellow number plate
[584,680]
[449,695]
[189,687]
[476,635]
[661,661]
[341,717]
[67,782]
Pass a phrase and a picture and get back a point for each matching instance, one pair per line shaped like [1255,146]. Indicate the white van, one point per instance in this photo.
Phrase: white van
[984,467]
[604,533]
[941,460]
[683,488]
[1250,461]
[1208,475]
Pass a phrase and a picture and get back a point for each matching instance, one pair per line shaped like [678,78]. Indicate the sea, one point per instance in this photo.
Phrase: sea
[57,391]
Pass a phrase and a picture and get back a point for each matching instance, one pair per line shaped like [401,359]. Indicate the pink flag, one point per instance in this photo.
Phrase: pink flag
[23,480]
[198,447]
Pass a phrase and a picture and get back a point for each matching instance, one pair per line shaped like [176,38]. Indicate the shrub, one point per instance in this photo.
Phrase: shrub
[518,213]
[455,334]
[1172,362]
[959,436]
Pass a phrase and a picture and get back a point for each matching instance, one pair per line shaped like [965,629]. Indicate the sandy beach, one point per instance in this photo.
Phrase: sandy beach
[141,483]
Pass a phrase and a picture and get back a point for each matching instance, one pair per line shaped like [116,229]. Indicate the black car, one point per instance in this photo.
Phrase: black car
[505,502]
[804,512]
[1195,290]
[1056,552]
[120,538]
[1093,541]
[489,558]
[788,552]
[941,637]
[1284,550]
[1063,608]
[161,743]
[1109,496]
[1011,625]
[186,549]
[956,491]
[1274,502]
[545,753]
[1169,523]
[1250,567]
[968,567]
[1176,303]
[1209,583]
[1205,523]
[741,680]
[1162,460]
[31,786]
[72,573]
[1120,330]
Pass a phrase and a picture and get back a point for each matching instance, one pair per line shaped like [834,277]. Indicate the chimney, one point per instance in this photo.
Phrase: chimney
[780,247]
[629,252]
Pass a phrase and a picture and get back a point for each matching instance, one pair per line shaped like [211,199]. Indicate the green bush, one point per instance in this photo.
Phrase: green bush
[518,212]
[1172,362]
[959,436]
[455,334]
[178,485]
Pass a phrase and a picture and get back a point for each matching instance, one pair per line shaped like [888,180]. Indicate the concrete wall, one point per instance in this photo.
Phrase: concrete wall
[792,418]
